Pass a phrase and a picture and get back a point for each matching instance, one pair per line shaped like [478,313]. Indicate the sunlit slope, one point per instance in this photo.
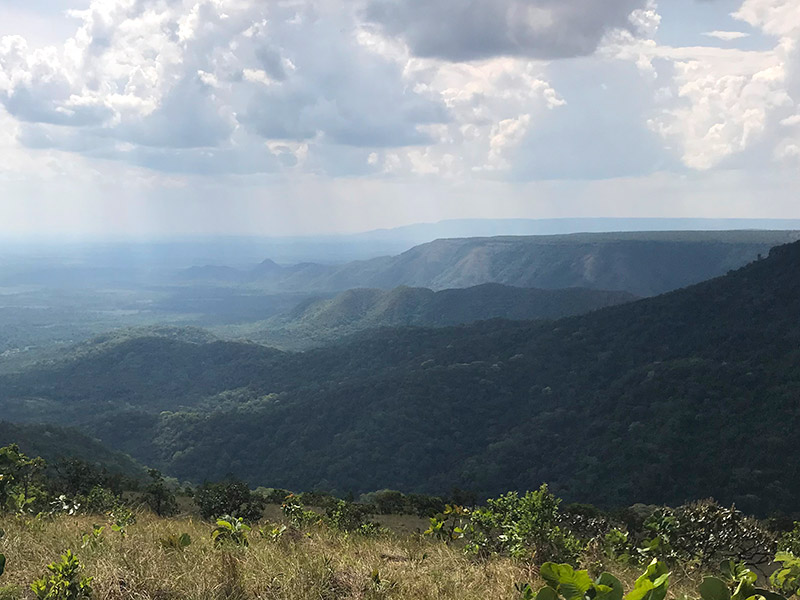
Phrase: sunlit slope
[321,320]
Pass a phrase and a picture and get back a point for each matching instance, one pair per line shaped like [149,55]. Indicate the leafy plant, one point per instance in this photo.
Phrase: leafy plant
[231,530]
[298,516]
[652,584]
[122,518]
[62,504]
[787,577]
[525,591]
[2,563]
[450,525]
[65,581]
[93,539]
[99,500]
[273,533]
[790,540]
[616,545]
[176,542]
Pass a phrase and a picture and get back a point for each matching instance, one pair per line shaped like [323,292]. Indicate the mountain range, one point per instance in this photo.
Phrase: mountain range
[689,394]
[640,263]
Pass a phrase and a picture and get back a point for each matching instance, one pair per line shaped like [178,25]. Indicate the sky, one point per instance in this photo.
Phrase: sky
[297,117]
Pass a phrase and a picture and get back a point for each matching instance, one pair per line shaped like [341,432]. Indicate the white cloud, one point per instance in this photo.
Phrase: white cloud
[219,76]
[726,36]
[775,17]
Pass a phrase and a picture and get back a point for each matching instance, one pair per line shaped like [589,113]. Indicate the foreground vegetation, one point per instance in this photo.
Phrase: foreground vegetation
[68,535]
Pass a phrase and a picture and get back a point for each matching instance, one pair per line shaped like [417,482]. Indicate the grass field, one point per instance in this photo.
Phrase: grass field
[317,563]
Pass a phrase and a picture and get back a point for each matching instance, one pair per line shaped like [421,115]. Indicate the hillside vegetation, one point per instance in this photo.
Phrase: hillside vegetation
[643,264]
[322,320]
[232,542]
[649,401]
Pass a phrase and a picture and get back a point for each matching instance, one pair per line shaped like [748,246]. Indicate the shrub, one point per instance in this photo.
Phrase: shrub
[526,526]
[99,500]
[790,540]
[298,516]
[706,533]
[20,478]
[121,518]
[64,582]
[272,495]
[347,516]
[232,530]
[230,497]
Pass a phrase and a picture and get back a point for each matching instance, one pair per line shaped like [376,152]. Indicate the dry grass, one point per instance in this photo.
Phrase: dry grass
[319,564]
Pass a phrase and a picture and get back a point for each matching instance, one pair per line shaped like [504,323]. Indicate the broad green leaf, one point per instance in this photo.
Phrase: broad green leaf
[547,593]
[713,588]
[768,595]
[550,572]
[607,581]
[2,563]
[642,591]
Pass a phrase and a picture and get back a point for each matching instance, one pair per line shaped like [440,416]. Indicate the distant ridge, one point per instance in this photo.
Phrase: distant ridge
[640,263]
[420,233]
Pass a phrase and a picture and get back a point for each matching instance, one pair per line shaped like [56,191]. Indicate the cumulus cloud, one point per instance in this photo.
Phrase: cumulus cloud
[774,17]
[149,80]
[457,31]
[719,106]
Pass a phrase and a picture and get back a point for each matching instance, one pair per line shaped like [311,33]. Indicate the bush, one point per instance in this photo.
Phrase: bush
[230,497]
[790,540]
[706,533]
[65,581]
[99,500]
[348,516]
[526,526]
[272,495]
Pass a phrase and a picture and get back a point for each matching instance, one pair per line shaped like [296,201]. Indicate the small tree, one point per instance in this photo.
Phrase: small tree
[18,478]
[158,497]
[231,497]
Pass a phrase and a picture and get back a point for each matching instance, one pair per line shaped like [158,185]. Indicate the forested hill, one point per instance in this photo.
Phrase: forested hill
[54,443]
[641,263]
[687,395]
[321,320]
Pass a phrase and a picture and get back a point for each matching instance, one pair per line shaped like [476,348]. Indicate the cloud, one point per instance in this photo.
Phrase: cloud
[545,29]
[775,17]
[726,36]
[149,81]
